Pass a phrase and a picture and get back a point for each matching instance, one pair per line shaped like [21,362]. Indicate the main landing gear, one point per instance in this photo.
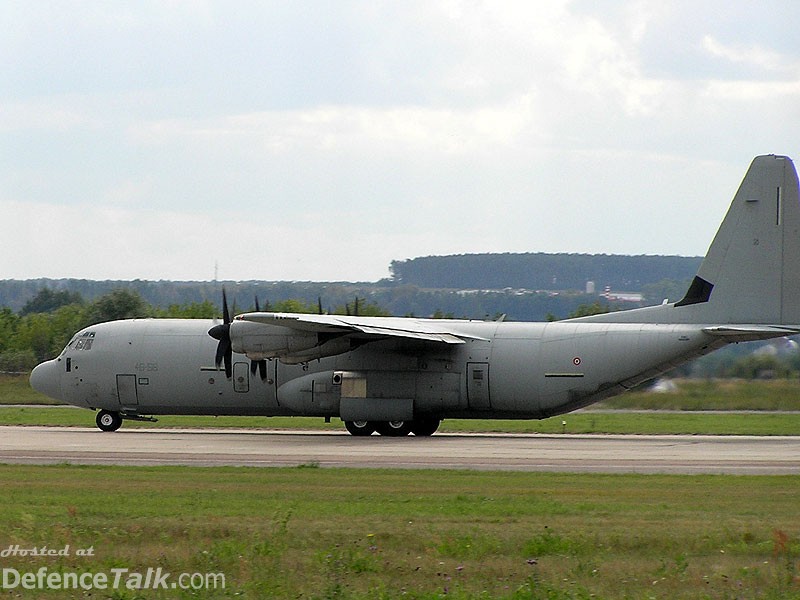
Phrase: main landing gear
[421,427]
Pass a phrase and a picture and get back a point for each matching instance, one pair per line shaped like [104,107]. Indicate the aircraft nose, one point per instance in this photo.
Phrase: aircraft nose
[46,379]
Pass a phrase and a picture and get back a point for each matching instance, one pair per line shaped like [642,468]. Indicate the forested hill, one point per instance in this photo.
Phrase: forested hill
[522,286]
[539,271]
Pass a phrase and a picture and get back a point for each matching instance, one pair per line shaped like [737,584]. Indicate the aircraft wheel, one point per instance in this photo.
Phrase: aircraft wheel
[360,427]
[393,428]
[108,420]
[426,427]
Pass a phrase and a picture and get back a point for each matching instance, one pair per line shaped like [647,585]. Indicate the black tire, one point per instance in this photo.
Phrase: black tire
[425,427]
[393,428]
[108,420]
[360,427]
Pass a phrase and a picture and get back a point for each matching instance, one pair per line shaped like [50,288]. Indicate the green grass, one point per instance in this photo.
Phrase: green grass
[716,394]
[15,389]
[648,423]
[334,533]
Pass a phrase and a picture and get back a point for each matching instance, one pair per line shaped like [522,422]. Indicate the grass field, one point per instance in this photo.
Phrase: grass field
[649,423]
[334,533]
[716,394]
[330,533]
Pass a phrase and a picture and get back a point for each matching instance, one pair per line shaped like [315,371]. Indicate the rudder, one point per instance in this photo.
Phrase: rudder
[751,273]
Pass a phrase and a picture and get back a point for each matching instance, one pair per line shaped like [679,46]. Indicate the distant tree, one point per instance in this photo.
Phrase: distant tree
[585,310]
[294,306]
[362,308]
[192,310]
[17,361]
[760,366]
[118,304]
[35,334]
[670,289]
[64,323]
[47,300]
[8,327]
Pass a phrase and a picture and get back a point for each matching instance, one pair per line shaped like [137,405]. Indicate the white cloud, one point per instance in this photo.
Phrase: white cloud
[295,145]
[336,128]
[752,55]
[44,116]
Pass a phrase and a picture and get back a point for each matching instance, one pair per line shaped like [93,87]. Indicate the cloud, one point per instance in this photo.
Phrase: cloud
[109,242]
[288,142]
[350,128]
[753,55]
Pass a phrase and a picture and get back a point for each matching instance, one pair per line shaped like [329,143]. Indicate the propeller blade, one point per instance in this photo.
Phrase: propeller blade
[229,363]
[226,316]
[262,369]
[260,366]
[223,348]
[222,333]
[258,308]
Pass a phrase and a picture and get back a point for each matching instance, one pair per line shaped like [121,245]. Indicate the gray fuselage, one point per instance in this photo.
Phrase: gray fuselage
[518,370]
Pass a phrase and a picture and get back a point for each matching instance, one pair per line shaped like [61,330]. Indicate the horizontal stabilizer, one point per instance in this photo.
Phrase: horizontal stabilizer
[749,333]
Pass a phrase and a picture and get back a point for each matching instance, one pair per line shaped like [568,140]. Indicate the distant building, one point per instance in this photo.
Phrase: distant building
[622,296]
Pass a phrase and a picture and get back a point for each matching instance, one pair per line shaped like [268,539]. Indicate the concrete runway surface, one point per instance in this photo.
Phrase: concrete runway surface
[566,453]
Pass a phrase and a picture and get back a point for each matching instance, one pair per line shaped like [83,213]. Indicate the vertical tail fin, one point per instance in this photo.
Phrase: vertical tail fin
[751,273]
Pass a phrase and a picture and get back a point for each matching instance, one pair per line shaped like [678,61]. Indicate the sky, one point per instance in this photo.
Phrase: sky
[312,140]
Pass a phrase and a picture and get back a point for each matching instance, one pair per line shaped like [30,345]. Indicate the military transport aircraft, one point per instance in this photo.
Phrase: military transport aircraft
[402,375]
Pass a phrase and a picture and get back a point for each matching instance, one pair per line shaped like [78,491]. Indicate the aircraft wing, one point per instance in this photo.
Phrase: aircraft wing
[369,327]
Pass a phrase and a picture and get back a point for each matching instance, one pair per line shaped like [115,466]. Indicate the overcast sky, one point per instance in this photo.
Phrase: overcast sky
[322,140]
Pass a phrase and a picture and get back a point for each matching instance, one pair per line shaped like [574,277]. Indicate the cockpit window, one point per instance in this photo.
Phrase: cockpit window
[84,341]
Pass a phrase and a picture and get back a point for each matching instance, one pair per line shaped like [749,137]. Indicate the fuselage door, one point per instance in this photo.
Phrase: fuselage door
[478,385]
[241,377]
[126,390]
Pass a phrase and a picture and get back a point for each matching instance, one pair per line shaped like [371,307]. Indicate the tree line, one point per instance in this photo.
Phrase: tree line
[47,322]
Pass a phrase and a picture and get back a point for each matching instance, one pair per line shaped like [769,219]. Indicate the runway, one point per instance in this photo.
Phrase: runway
[265,448]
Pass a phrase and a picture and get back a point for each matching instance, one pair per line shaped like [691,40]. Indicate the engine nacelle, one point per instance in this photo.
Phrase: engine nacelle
[261,341]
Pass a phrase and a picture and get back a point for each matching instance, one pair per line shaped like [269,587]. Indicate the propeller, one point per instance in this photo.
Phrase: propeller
[222,332]
[259,365]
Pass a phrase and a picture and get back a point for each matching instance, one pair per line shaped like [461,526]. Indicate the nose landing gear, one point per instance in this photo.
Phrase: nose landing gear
[108,420]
